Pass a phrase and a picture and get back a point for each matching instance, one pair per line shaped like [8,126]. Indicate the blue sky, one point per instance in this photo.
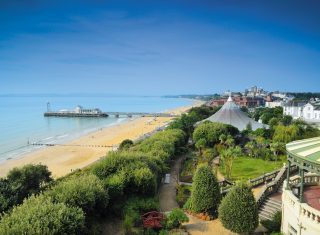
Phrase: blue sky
[158,47]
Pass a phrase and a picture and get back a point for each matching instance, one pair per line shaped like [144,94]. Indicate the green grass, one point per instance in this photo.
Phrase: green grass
[245,168]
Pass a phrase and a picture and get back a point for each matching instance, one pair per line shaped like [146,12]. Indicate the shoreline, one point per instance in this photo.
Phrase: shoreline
[84,150]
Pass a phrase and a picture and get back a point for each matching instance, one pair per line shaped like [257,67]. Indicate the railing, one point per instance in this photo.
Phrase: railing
[274,186]
[264,178]
[309,180]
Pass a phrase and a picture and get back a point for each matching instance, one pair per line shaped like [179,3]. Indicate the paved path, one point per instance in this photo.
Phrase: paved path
[196,226]
[167,192]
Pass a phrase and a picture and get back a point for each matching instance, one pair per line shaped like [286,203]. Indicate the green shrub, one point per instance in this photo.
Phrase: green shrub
[125,144]
[175,218]
[205,195]
[84,191]
[39,215]
[22,183]
[238,210]
[273,225]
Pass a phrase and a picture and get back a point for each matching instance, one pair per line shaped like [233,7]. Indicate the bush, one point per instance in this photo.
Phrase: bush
[126,144]
[22,183]
[175,218]
[84,191]
[273,225]
[238,210]
[39,215]
[205,195]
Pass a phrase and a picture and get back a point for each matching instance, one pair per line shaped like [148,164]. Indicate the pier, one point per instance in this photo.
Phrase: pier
[141,114]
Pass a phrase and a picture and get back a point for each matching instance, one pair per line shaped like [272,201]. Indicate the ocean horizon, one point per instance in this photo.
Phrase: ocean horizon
[23,123]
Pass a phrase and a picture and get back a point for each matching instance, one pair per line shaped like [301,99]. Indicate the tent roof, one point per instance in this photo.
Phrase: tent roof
[230,113]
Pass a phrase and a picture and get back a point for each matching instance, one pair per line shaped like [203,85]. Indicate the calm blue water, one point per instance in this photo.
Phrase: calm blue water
[22,120]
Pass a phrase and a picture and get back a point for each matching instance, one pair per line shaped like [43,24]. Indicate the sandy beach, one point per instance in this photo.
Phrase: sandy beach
[62,160]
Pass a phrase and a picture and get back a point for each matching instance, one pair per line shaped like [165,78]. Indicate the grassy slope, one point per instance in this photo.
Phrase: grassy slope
[245,168]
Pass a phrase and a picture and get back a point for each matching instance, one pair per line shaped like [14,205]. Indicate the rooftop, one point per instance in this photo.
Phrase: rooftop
[308,149]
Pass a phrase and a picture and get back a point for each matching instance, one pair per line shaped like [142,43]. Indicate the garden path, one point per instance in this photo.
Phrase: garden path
[167,192]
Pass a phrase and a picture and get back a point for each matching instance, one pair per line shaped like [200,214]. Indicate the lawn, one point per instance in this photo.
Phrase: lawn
[245,168]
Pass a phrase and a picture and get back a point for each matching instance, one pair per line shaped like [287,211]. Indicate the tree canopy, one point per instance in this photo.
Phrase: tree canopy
[205,195]
[238,210]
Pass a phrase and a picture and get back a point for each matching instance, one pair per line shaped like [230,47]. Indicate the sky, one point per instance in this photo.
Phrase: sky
[153,47]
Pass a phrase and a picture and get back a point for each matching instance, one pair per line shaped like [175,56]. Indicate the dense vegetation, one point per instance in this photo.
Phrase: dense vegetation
[39,215]
[68,205]
[238,210]
[21,183]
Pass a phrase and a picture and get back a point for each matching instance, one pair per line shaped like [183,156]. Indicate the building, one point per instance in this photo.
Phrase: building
[301,193]
[231,114]
[309,112]
[242,101]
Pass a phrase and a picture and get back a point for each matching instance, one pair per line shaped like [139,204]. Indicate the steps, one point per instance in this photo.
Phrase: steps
[269,208]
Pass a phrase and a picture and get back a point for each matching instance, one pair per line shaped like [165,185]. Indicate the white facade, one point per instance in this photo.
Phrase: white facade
[294,111]
[298,218]
[309,112]
[274,104]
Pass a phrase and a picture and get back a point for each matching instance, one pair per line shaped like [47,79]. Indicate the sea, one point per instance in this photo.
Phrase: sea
[22,122]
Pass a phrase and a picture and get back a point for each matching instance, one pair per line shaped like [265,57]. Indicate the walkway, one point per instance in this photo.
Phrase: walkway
[167,192]
[196,226]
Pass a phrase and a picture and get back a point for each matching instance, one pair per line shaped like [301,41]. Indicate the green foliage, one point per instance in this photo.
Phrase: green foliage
[84,191]
[201,144]
[22,183]
[183,193]
[211,132]
[228,155]
[273,225]
[266,114]
[126,144]
[175,218]
[39,215]
[129,172]
[238,210]
[205,195]
[186,121]
[133,209]
[285,134]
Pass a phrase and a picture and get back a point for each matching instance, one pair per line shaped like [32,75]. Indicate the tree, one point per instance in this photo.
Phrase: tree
[126,144]
[285,134]
[286,120]
[228,156]
[276,148]
[205,195]
[211,132]
[200,145]
[238,210]
[273,122]
[84,191]
[39,215]
[251,147]
[22,183]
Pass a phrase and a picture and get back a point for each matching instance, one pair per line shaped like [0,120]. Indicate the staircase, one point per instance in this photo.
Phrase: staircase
[269,208]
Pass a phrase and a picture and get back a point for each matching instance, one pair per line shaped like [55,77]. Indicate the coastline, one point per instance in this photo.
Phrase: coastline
[83,151]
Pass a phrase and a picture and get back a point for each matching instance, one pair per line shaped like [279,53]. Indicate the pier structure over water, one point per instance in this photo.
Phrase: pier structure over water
[79,111]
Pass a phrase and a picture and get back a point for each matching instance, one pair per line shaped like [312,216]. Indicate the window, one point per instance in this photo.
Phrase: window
[291,230]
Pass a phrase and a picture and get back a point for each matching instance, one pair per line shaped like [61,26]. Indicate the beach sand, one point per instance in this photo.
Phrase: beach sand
[61,160]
